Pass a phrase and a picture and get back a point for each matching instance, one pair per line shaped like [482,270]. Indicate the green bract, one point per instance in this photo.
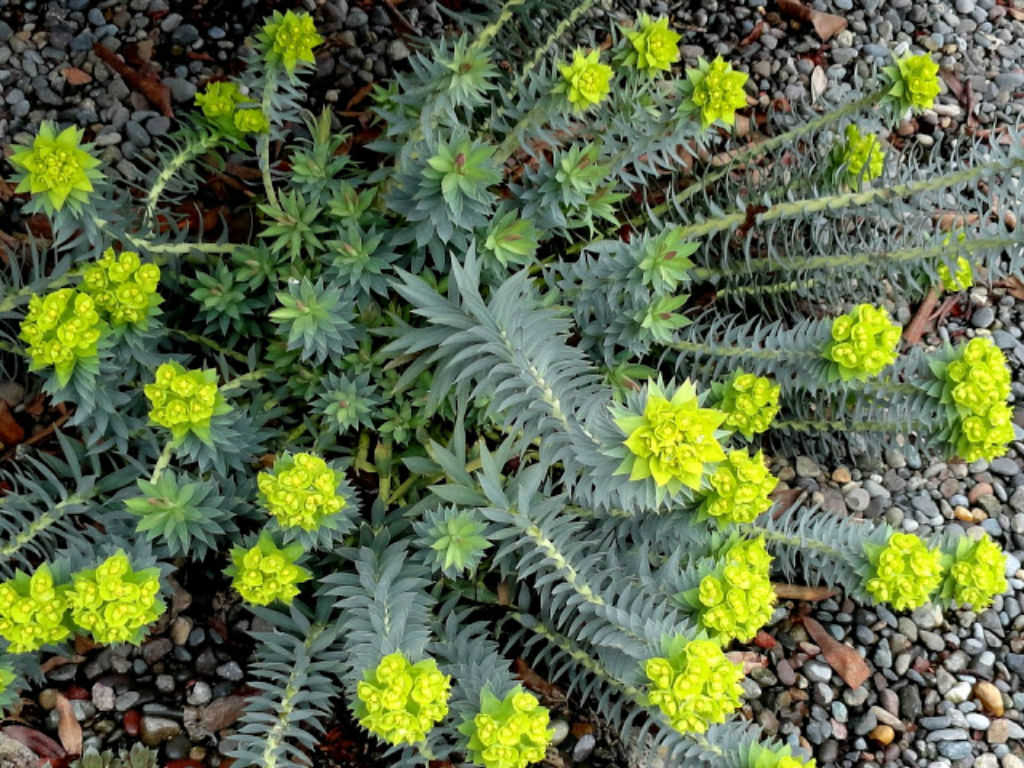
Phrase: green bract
[265,573]
[508,733]
[974,384]
[123,288]
[671,440]
[114,603]
[975,573]
[863,342]
[251,121]
[962,280]
[861,156]
[914,82]
[715,90]
[302,491]
[653,46]
[781,757]
[185,401]
[57,167]
[740,488]
[694,684]
[219,102]
[585,82]
[288,39]
[903,573]
[33,611]
[750,402]
[400,702]
[62,329]
[736,599]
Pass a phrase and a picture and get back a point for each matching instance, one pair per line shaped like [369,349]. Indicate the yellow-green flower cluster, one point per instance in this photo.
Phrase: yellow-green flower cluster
[508,733]
[265,573]
[400,702]
[301,490]
[961,280]
[653,46]
[219,100]
[56,166]
[904,572]
[914,81]
[184,401]
[123,287]
[863,342]
[585,81]
[62,329]
[672,440]
[740,486]
[717,91]
[289,39]
[782,757]
[251,121]
[976,385]
[113,602]
[737,598]
[33,611]
[861,155]
[695,685]
[750,403]
[976,574]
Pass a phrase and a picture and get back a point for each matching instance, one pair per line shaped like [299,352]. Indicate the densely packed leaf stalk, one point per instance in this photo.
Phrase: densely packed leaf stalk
[490,385]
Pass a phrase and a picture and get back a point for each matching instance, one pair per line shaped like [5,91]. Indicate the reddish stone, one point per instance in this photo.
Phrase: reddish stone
[132,719]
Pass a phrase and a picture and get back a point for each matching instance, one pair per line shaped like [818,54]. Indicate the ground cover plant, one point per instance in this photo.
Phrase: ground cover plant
[500,384]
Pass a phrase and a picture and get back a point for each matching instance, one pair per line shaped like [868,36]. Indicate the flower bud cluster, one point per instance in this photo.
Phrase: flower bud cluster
[750,403]
[653,46]
[183,400]
[861,155]
[976,386]
[977,573]
[301,491]
[694,687]
[400,702]
[62,329]
[122,286]
[508,733]
[914,81]
[224,105]
[289,39]
[740,489]
[585,81]
[904,573]
[737,598]
[863,342]
[265,573]
[113,602]
[33,611]
[717,91]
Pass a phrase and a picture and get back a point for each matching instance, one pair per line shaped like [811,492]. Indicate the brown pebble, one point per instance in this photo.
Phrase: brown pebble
[979,515]
[48,698]
[979,490]
[883,734]
[785,672]
[963,514]
[841,475]
[990,697]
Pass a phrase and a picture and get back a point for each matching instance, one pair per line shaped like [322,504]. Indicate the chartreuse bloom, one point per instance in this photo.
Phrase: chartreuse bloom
[761,756]
[959,281]
[302,491]
[400,702]
[185,401]
[740,486]
[57,167]
[974,385]
[123,288]
[863,342]
[653,46]
[736,599]
[114,603]
[33,611]
[508,733]
[672,440]
[585,81]
[716,91]
[289,39]
[264,572]
[914,82]
[750,403]
[62,329]
[975,573]
[694,684]
[904,572]
[219,100]
[861,156]
[251,121]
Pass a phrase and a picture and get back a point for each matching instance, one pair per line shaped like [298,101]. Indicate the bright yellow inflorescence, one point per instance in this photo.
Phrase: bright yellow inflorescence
[905,572]
[183,401]
[977,573]
[33,611]
[265,573]
[654,47]
[122,286]
[750,403]
[62,329]
[400,702]
[737,597]
[508,733]
[863,343]
[976,386]
[695,687]
[301,491]
[586,79]
[739,489]
[290,39]
[717,91]
[114,603]
[862,155]
[56,166]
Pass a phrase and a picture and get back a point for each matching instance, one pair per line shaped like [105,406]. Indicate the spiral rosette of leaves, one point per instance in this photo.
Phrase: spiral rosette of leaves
[715,90]
[693,684]
[400,702]
[57,169]
[904,573]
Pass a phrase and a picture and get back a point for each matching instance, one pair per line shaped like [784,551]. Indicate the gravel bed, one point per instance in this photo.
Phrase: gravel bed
[947,688]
